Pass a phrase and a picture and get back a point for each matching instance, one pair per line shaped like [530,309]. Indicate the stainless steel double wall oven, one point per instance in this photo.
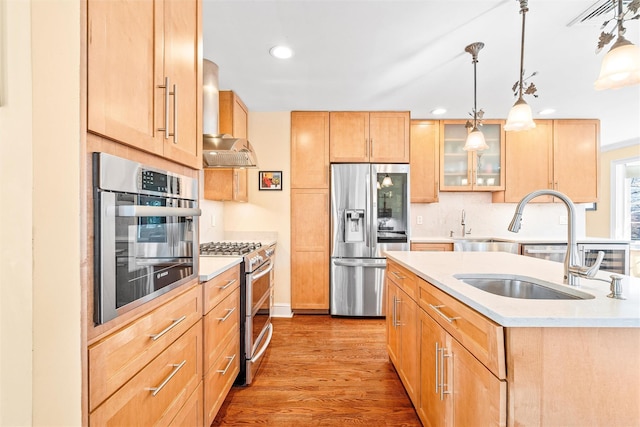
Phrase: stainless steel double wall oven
[145,234]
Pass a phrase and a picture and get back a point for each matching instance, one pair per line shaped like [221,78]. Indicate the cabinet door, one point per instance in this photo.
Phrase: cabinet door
[455,163]
[234,115]
[576,144]
[124,69]
[409,346]
[393,334]
[349,136]
[432,247]
[309,149]
[182,35]
[425,161]
[432,407]
[389,137]
[529,164]
[478,397]
[488,169]
[241,185]
[310,249]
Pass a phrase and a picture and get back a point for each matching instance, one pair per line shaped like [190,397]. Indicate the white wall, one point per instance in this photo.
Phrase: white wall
[40,350]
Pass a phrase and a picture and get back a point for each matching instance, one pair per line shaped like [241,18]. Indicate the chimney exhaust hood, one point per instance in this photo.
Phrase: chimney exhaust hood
[220,150]
[225,151]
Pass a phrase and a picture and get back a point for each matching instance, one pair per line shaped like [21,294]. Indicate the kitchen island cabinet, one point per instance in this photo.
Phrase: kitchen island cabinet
[556,362]
[144,76]
[369,137]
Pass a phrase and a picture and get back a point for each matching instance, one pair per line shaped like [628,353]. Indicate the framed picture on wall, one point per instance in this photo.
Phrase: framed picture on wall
[270,180]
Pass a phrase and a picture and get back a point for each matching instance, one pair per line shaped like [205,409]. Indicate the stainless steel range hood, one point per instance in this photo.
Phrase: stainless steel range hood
[225,151]
[220,151]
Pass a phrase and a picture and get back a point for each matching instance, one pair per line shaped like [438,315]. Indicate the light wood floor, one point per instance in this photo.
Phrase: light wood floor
[322,371]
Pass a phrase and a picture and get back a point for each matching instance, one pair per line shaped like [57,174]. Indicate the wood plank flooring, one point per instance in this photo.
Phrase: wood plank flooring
[322,371]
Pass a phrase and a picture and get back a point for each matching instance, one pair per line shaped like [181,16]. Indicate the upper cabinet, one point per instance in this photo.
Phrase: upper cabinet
[144,76]
[425,140]
[469,170]
[546,157]
[309,149]
[369,137]
[227,184]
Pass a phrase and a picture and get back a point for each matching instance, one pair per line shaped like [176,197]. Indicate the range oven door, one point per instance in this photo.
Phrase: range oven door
[146,245]
[259,328]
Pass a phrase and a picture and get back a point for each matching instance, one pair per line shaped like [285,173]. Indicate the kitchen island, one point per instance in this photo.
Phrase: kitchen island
[469,356]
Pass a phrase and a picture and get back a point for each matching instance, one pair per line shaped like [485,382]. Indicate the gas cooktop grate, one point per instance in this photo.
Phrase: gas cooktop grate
[228,248]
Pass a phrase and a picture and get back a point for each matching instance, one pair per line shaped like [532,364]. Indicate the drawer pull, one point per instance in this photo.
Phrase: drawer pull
[398,275]
[176,368]
[229,283]
[437,308]
[226,368]
[229,311]
[168,328]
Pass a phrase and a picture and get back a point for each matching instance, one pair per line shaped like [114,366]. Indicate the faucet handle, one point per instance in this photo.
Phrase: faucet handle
[616,287]
[588,271]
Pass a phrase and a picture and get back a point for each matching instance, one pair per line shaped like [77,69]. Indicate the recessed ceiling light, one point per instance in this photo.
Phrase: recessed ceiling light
[281,52]
[546,111]
[438,111]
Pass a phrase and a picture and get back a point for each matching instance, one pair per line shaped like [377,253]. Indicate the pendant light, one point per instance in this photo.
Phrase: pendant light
[520,116]
[386,182]
[621,65]
[475,139]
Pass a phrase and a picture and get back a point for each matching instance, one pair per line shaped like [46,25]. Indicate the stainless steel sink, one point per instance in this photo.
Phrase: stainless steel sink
[485,245]
[515,286]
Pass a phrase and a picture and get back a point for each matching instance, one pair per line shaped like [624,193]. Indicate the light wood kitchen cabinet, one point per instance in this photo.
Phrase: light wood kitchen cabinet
[547,156]
[227,184]
[135,49]
[369,137]
[221,339]
[434,247]
[425,161]
[115,359]
[402,327]
[470,170]
[310,149]
[157,394]
[310,250]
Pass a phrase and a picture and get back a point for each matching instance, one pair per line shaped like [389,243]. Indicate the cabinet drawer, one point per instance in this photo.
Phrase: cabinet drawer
[218,288]
[117,358]
[220,378]
[191,413]
[481,336]
[219,324]
[406,280]
[158,392]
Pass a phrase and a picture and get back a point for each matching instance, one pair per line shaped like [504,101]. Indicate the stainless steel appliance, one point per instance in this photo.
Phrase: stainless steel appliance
[616,255]
[369,214]
[145,234]
[256,299]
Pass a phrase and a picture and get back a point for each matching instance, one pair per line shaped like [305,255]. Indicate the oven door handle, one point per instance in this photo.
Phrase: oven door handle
[262,273]
[142,210]
[258,355]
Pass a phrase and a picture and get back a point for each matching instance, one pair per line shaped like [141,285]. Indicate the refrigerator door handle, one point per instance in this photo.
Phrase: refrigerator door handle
[367,225]
[360,263]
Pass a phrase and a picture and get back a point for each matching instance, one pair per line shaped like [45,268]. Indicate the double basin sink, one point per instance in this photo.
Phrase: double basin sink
[485,245]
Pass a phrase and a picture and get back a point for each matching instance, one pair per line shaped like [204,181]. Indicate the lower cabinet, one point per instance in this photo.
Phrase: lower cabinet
[158,393]
[433,247]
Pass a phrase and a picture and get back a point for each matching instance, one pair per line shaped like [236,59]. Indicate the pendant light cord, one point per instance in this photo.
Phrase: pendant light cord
[475,85]
[523,10]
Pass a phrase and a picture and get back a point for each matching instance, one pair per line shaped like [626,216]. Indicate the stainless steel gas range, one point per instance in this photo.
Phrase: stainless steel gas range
[256,299]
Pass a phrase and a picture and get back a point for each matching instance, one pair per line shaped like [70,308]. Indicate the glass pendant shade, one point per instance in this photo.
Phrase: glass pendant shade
[520,117]
[386,182]
[620,66]
[475,141]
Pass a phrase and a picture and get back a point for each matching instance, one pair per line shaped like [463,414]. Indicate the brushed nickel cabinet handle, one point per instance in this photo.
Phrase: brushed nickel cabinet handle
[398,275]
[437,308]
[436,376]
[229,311]
[168,328]
[175,113]
[165,128]
[226,368]
[229,283]
[176,368]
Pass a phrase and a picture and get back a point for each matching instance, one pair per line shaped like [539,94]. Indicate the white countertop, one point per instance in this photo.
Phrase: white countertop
[210,267]
[438,269]
[523,241]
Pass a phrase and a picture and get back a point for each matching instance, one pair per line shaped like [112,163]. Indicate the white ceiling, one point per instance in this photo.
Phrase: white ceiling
[409,55]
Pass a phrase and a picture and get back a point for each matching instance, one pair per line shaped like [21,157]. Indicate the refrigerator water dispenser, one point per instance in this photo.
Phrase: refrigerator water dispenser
[354,225]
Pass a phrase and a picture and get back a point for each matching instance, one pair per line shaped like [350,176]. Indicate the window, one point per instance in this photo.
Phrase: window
[625,199]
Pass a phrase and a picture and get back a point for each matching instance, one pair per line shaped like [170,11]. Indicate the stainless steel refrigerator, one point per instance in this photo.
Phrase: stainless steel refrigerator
[369,214]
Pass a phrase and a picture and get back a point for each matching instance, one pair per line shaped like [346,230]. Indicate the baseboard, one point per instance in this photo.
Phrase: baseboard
[282,310]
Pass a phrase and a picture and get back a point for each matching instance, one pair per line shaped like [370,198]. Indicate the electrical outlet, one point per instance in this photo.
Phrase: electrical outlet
[564,220]
[213,220]
[419,219]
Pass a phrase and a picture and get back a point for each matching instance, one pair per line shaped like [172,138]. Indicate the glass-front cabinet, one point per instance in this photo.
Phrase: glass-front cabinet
[467,170]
